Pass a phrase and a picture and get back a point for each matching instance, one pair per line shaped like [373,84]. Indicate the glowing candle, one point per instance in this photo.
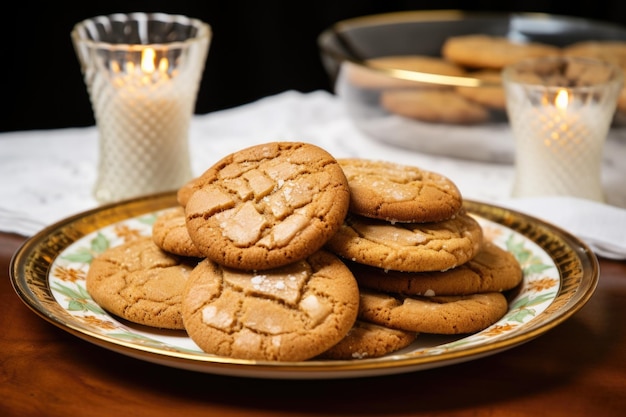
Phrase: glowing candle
[143,124]
[559,134]
[143,93]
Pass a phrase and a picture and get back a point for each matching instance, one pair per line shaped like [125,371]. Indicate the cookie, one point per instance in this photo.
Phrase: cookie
[559,72]
[268,205]
[493,269]
[369,340]
[490,94]
[141,283]
[434,106]
[409,247]
[436,315]
[170,233]
[184,192]
[492,52]
[291,313]
[399,193]
[377,72]
[613,51]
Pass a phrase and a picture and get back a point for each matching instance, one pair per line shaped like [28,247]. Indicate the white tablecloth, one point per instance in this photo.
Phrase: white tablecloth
[48,175]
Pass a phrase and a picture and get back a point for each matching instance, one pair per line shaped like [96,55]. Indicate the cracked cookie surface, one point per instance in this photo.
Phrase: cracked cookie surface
[290,313]
[408,247]
[369,340]
[267,206]
[492,269]
[170,233]
[396,192]
[141,283]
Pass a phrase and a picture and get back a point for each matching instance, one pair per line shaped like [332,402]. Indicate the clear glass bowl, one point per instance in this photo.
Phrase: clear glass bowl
[386,105]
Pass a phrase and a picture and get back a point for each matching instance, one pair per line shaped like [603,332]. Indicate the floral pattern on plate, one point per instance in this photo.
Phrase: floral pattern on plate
[68,272]
[48,273]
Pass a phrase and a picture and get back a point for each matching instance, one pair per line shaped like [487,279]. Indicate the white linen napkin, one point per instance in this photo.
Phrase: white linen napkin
[48,174]
[601,226]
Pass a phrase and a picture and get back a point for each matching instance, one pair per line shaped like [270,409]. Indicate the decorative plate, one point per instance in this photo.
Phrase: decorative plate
[48,274]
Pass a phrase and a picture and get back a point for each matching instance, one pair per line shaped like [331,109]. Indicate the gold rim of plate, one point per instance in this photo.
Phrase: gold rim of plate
[577,267]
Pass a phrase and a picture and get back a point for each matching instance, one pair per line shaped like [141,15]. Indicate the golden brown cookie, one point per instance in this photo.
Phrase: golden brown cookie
[613,51]
[370,75]
[409,247]
[490,94]
[492,52]
[268,205]
[575,72]
[434,106]
[492,269]
[291,313]
[141,283]
[170,233]
[184,192]
[395,192]
[437,315]
[369,340]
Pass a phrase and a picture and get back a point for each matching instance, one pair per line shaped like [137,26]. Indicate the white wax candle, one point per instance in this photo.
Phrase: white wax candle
[143,122]
[559,151]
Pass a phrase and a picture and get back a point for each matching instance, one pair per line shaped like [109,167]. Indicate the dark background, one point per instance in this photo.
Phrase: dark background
[259,48]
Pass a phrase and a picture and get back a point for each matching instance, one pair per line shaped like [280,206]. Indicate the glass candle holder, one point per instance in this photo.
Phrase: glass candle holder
[560,110]
[142,72]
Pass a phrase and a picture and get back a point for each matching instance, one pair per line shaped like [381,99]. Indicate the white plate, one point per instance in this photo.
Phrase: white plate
[48,273]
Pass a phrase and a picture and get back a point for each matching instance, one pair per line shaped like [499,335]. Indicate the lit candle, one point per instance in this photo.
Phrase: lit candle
[144,124]
[142,71]
[560,133]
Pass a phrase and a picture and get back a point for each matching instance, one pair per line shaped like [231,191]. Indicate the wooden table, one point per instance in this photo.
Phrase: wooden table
[575,369]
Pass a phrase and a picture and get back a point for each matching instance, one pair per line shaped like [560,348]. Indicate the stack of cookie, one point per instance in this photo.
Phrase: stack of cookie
[426,102]
[478,56]
[262,287]
[474,55]
[418,257]
[140,282]
[274,252]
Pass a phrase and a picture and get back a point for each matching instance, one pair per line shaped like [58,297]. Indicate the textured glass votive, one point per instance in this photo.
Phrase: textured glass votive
[142,72]
[560,110]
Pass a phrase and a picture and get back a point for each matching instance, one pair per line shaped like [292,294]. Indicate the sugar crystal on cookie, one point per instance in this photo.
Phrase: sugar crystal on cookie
[241,225]
[282,285]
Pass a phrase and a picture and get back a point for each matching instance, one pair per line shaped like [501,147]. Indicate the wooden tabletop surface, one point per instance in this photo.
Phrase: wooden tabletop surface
[575,369]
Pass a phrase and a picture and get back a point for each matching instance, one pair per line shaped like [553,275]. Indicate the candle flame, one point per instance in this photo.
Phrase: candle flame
[562,99]
[147,60]
[164,65]
[149,71]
